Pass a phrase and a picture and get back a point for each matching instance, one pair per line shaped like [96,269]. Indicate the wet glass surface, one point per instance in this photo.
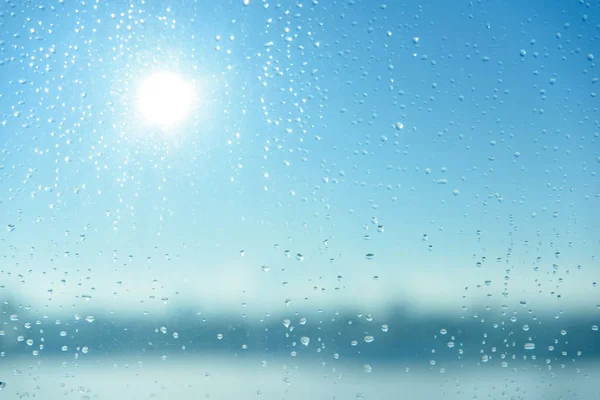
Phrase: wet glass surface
[336,199]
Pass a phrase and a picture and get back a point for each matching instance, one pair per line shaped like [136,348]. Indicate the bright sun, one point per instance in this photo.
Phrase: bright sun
[164,98]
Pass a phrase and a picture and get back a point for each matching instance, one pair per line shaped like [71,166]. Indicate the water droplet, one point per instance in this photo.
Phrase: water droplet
[175,335]
[10,228]
[265,268]
[590,57]
[443,331]
[219,336]
[595,328]
[299,257]
[2,385]
[368,368]
[369,339]
[14,317]
[370,256]
[354,343]
[450,344]
[529,346]
[525,327]
[302,321]
[90,318]
[245,2]
[305,340]
[522,53]
[286,323]
[399,125]
[384,328]
[64,348]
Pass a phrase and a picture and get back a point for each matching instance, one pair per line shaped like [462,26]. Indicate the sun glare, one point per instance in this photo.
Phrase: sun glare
[164,98]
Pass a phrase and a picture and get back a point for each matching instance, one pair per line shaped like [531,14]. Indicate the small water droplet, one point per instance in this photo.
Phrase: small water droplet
[384,328]
[90,318]
[370,256]
[305,340]
[265,268]
[529,346]
[299,257]
[219,336]
[368,368]
[369,339]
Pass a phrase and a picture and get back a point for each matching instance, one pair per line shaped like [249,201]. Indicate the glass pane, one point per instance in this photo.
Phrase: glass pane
[283,199]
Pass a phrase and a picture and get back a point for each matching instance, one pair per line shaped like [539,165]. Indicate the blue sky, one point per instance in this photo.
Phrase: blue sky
[293,142]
